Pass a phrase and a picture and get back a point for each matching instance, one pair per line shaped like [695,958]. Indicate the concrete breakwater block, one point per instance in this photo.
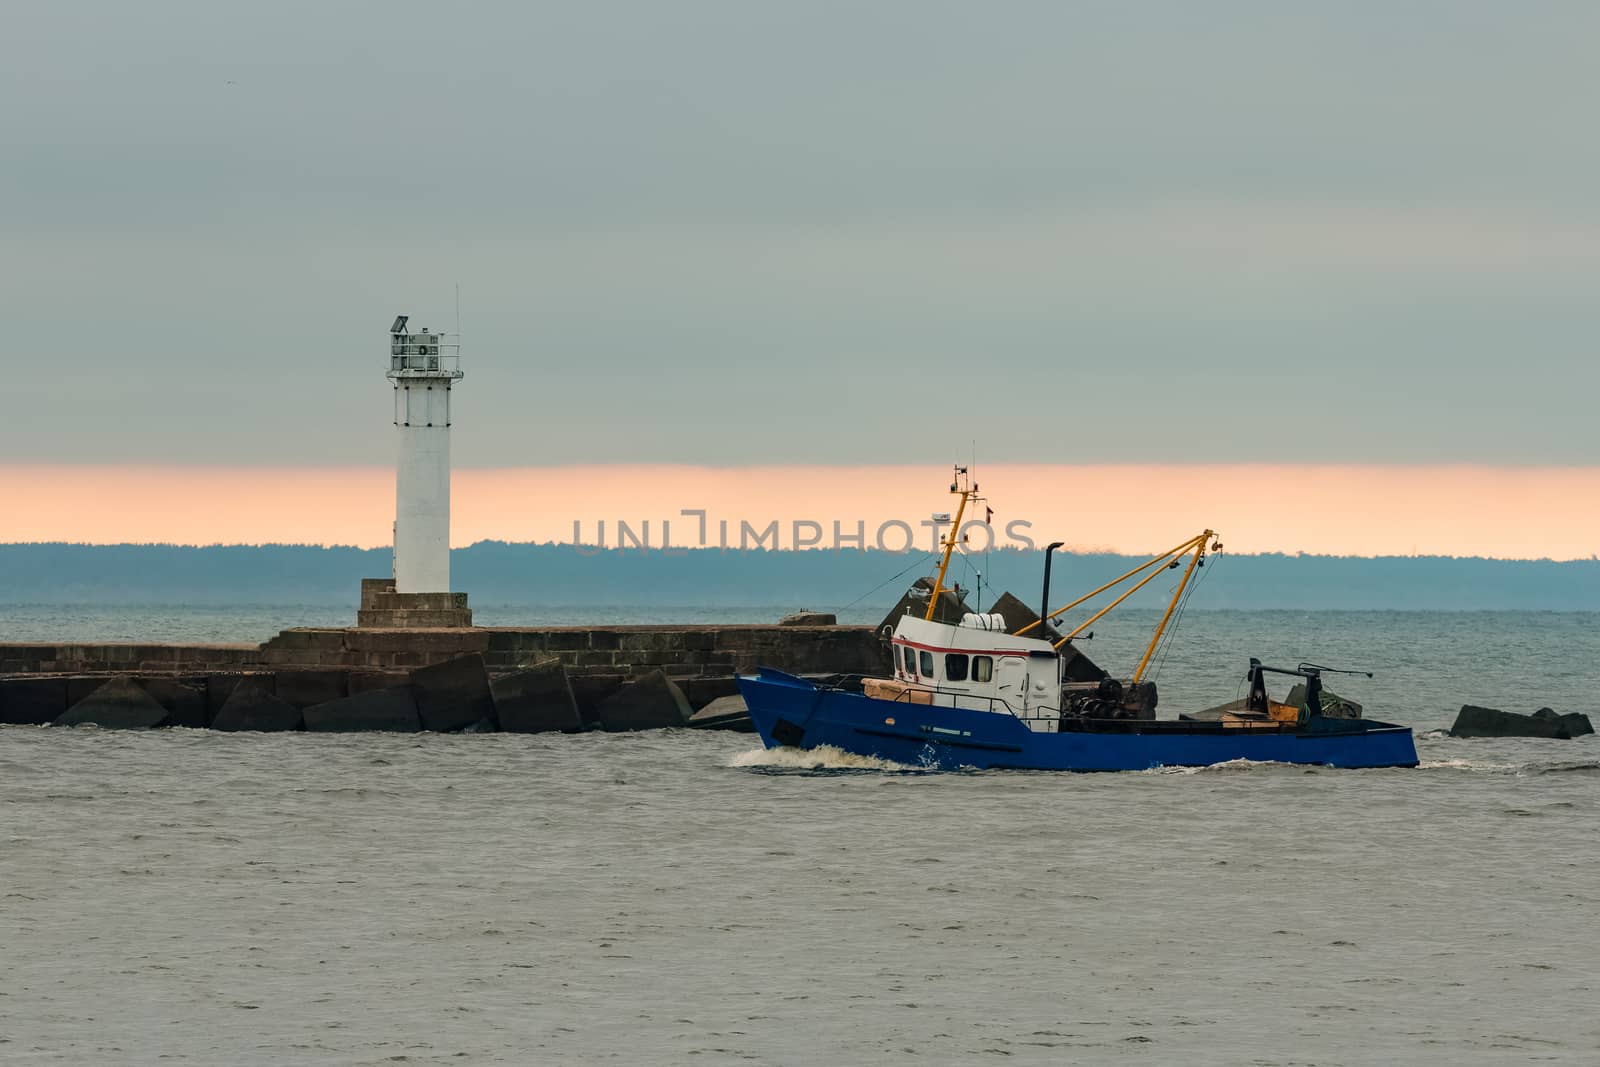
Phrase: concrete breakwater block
[32,701]
[304,689]
[219,687]
[652,702]
[537,700]
[1473,721]
[454,695]
[380,710]
[951,606]
[809,618]
[365,681]
[80,687]
[119,704]
[592,690]
[702,691]
[1574,722]
[1017,615]
[185,704]
[251,707]
[724,713]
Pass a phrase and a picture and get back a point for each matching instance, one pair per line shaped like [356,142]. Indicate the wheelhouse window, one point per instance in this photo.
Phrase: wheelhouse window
[909,658]
[955,667]
[927,665]
[982,668]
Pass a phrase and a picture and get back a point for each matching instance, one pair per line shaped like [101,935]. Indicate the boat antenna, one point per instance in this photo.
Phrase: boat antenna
[988,543]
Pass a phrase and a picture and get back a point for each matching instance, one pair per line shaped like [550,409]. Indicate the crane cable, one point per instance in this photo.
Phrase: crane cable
[1177,622]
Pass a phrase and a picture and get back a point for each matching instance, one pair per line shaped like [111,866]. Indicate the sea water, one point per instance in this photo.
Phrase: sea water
[188,897]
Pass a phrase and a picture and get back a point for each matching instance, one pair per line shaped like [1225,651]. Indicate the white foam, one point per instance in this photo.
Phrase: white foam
[1233,765]
[821,758]
[1465,765]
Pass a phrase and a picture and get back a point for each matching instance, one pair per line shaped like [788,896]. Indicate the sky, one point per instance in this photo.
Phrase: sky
[1139,509]
[1315,238]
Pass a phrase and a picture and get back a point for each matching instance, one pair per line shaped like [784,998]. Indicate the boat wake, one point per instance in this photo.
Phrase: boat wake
[1481,765]
[824,758]
[1530,767]
[1232,766]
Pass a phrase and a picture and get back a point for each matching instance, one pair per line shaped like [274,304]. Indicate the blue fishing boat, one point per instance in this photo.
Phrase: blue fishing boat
[969,693]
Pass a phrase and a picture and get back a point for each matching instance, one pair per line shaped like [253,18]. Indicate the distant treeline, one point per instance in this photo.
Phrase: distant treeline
[496,573]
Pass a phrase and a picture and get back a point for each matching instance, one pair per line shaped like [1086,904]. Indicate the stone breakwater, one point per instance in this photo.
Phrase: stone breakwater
[522,679]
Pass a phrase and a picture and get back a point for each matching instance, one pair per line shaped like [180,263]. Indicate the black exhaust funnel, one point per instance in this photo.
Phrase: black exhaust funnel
[1044,609]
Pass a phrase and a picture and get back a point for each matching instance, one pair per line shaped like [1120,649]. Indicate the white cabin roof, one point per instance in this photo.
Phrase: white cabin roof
[945,637]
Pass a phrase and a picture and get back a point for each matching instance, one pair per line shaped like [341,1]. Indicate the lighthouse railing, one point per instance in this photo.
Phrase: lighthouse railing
[421,355]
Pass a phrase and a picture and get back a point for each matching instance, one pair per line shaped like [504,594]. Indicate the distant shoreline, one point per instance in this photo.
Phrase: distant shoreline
[497,574]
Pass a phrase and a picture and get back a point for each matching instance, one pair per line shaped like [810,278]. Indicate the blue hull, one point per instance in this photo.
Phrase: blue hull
[792,711]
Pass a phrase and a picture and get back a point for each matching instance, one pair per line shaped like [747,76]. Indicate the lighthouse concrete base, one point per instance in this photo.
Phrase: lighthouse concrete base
[384,609]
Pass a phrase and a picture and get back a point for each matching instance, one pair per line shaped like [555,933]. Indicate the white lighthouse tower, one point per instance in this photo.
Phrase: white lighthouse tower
[423,365]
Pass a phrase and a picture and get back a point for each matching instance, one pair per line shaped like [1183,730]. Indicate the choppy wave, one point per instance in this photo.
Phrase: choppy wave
[711,908]
[1575,766]
[821,758]
[1484,766]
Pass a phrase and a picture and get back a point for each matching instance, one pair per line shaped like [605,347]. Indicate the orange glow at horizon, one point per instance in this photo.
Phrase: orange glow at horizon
[1513,513]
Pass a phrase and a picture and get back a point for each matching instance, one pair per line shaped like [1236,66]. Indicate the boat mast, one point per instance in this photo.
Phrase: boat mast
[967,492]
